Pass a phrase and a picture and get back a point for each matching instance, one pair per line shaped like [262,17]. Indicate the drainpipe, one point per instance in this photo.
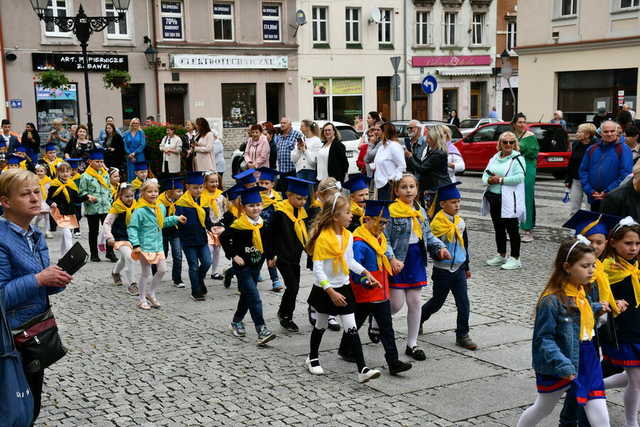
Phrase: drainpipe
[407,27]
[155,66]
[4,72]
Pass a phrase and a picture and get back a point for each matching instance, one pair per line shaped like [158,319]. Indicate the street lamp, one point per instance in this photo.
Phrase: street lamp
[150,52]
[507,71]
[82,27]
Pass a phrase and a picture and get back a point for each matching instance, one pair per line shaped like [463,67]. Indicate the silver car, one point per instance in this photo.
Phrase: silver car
[469,125]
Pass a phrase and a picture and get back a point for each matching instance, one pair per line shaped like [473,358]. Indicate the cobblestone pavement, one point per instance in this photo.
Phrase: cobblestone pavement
[180,365]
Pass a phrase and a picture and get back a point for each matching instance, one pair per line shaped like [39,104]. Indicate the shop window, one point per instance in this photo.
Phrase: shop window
[223,21]
[352,23]
[271,22]
[59,8]
[61,103]
[172,20]
[238,105]
[385,35]
[449,101]
[119,30]
[512,32]
[624,4]
[319,23]
[337,99]
[449,24]
[423,28]
[478,36]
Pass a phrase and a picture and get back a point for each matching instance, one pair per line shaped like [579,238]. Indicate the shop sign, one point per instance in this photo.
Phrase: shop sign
[75,62]
[450,61]
[229,62]
[221,9]
[65,93]
[321,86]
[171,7]
[171,28]
[347,87]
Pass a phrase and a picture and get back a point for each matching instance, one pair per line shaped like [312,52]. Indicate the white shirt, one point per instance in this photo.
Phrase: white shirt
[322,162]
[323,270]
[389,163]
[306,159]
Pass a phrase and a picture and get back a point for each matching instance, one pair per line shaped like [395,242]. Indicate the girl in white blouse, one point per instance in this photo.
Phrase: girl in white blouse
[171,146]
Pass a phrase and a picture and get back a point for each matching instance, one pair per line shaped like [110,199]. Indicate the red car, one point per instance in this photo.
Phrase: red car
[480,145]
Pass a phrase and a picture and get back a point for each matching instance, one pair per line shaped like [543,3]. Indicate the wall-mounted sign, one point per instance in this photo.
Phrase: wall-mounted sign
[75,62]
[270,22]
[228,62]
[450,61]
[171,28]
[15,103]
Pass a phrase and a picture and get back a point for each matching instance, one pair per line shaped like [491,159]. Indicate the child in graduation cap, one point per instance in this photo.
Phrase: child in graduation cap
[13,162]
[193,233]
[243,243]
[51,159]
[95,191]
[75,176]
[246,178]
[451,275]
[21,151]
[369,247]
[234,209]
[270,199]
[286,239]
[142,174]
[174,189]
[63,195]
[358,194]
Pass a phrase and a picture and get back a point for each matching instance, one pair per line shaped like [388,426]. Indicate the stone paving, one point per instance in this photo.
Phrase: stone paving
[180,365]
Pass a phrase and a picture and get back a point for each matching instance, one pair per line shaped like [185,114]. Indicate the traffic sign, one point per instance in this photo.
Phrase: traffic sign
[395,80]
[15,103]
[395,63]
[429,84]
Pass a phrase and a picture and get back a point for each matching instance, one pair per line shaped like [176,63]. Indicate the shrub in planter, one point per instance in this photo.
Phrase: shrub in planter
[53,79]
[116,79]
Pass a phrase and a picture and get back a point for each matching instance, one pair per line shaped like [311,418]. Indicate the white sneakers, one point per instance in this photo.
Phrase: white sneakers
[496,261]
[505,263]
[315,370]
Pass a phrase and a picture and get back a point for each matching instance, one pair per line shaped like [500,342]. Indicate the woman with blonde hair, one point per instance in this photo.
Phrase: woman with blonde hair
[134,145]
[585,136]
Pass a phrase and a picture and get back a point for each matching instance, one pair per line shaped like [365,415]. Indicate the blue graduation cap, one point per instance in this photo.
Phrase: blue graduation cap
[588,223]
[377,208]
[195,178]
[174,184]
[245,177]
[51,147]
[97,154]
[449,191]
[21,149]
[14,160]
[268,174]
[233,192]
[298,186]
[357,182]
[74,163]
[251,195]
[140,166]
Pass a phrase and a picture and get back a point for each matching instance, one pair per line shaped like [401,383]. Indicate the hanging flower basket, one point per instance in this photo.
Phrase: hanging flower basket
[53,79]
[116,79]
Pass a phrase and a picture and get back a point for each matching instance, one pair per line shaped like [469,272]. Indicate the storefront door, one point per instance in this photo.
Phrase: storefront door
[275,101]
[131,96]
[174,96]
[384,96]
[419,103]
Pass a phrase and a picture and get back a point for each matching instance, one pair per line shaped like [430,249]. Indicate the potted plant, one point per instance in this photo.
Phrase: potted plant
[116,79]
[53,79]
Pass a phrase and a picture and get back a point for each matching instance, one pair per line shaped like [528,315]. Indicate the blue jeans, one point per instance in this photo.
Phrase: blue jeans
[273,274]
[443,282]
[199,260]
[176,256]
[309,175]
[249,296]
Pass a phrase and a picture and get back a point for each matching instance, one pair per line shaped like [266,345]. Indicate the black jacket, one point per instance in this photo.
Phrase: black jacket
[338,164]
[577,153]
[623,201]
[627,322]
[432,170]
[281,239]
[119,228]
[114,153]
[192,233]
[240,243]
[65,208]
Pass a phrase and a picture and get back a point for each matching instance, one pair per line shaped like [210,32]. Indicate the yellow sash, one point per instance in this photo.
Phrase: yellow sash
[379,245]
[210,199]
[186,201]
[62,187]
[604,287]
[136,183]
[316,203]
[587,322]
[52,165]
[400,209]
[235,210]
[268,200]
[119,207]
[328,247]
[441,225]
[243,223]
[142,203]
[171,206]
[100,176]
[357,210]
[298,222]
[618,269]
[76,177]
[43,186]
[114,191]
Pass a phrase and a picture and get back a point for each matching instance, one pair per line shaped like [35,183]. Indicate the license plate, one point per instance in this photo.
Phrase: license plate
[555,159]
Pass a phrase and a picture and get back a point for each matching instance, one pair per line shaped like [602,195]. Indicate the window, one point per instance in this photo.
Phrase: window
[238,105]
[55,8]
[629,3]
[337,99]
[171,19]
[384,27]
[319,22]
[449,25]
[512,28]
[352,22]
[568,7]
[119,30]
[271,22]
[449,101]
[423,28]
[478,29]
[223,21]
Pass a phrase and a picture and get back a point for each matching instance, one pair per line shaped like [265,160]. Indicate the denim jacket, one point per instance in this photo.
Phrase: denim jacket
[556,337]
[398,232]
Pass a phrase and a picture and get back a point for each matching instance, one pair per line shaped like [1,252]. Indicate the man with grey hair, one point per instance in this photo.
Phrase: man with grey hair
[58,135]
[557,118]
[285,143]
[415,142]
[625,200]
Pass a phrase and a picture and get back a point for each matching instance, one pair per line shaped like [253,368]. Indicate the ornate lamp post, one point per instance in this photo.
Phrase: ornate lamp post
[82,27]
[507,71]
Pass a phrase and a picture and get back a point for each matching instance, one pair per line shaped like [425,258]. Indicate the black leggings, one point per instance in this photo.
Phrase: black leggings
[94,229]
[291,277]
[502,226]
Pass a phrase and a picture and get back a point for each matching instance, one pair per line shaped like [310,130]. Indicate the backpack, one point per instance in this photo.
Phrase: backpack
[617,147]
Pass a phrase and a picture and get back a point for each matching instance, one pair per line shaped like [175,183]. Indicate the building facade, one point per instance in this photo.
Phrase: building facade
[506,39]
[580,57]
[453,40]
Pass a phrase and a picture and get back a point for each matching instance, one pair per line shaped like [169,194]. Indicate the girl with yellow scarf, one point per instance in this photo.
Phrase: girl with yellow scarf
[45,182]
[63,198]
[212,194]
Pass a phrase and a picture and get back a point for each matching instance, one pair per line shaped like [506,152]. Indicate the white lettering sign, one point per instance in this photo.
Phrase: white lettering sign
[228,62]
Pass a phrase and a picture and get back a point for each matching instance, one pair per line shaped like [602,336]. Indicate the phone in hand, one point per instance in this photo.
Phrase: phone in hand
[490,173]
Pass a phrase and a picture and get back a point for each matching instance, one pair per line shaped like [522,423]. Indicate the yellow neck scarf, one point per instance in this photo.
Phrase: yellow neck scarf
[604,287]
[235,210]
[618,269]
[587,321]
[316,203]
[298,222]
[400,209]
[155,208]
[210,199]
[186,201]
[441,225]
[100,176]
[171,206]
[63,188]
[43,186]
[357,210]
[377,244]
[119,207]
[114,190]
[76,177]
[327,246]
[137,183]
[270,199]
[243,223]
[52,165]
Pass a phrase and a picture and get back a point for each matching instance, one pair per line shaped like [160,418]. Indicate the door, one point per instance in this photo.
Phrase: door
[131,102]
[449,102]
[419,103]
[384,96]
[275,101]
[174,96]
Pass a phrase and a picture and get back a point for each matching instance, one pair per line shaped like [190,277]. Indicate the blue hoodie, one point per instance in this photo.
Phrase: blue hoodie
[604,167]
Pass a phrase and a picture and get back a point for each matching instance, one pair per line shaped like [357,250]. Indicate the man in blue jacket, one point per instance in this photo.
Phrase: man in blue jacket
[604,166]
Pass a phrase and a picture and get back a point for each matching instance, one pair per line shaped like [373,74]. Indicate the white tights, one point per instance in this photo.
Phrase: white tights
[215,257]
[43,217]
[125,265]
[412,297]
[149,283]
[348,321]
[66,242]
[616,381]
[595,409]
[632,396]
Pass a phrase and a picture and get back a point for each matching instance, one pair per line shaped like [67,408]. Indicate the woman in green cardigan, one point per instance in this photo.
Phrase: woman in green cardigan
[529,149]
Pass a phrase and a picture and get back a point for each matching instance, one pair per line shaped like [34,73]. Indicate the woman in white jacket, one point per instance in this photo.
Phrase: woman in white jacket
[304,153]
[171,146]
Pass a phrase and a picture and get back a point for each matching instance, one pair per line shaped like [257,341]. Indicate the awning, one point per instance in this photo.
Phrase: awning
[465,71]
